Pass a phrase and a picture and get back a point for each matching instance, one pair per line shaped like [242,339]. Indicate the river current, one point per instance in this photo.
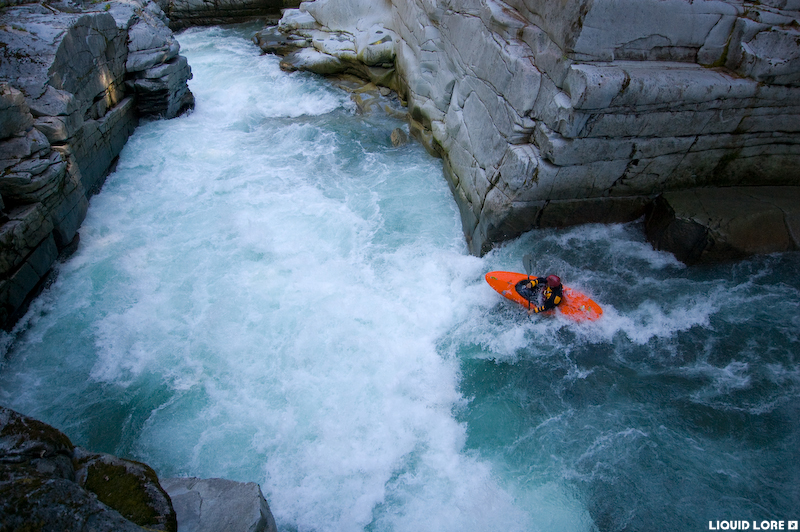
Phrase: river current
[267,290]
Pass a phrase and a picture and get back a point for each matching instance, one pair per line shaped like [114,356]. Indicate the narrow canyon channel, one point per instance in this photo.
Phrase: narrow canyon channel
[267,290]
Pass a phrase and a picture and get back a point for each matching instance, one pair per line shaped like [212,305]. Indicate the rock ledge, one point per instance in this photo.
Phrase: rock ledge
[718,224]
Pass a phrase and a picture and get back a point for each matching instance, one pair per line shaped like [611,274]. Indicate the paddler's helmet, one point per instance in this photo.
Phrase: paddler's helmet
[553,281]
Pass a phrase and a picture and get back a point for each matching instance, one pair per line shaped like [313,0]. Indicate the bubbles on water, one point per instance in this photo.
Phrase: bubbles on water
[675,390]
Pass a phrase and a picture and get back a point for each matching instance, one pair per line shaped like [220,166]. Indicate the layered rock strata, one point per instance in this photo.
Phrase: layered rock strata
[73,82]
[550,114]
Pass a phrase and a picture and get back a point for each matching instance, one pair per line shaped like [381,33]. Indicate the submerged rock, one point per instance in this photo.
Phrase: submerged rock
[399,137]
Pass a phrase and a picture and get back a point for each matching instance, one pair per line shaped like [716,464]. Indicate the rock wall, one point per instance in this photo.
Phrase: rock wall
[73,83]
[185,13]
[555,113]
[711,225]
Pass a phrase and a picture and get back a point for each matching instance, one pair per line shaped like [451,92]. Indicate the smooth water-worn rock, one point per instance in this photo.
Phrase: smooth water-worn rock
[581,111]
[211,505]
[73,83]
[48,484]
[716,224]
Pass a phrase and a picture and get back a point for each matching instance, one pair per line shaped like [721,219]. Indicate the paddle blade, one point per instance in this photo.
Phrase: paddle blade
[527,261]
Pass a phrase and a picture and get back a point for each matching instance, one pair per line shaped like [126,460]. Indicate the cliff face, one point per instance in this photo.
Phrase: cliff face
[73,83]
[555,113]
[185,13]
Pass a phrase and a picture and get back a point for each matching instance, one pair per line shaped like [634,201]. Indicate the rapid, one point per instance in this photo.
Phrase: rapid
[267,290]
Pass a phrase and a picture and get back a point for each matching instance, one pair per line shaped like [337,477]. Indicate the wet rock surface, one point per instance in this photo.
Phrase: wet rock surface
[46,483]
[718,224]
[582,111]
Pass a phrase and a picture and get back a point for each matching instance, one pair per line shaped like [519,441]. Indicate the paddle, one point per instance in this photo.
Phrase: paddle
[527,261]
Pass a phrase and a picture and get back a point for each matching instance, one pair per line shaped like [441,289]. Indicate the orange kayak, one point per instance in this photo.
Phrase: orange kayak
[576,306]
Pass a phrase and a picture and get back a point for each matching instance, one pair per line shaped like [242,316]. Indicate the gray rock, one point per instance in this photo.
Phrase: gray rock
[399,137]
[211,505]
[710,225]
[15,116]
[315,61]
[537,107]
[184,13]
[39,490]
[73,81]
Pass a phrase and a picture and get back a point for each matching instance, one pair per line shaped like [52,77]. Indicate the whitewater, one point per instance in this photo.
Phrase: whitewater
[267,290]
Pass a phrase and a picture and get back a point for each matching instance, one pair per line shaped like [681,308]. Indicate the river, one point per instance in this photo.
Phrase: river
[267,290]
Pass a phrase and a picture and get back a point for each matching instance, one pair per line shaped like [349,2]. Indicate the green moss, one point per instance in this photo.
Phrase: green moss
[33,430]
[122,491]
[722,58]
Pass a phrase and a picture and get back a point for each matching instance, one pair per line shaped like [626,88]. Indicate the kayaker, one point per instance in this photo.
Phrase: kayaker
[553,293]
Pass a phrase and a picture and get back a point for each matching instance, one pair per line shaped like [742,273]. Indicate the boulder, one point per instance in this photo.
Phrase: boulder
[40,488]
[718,224]
[131,488]
[355,48]
[211,505]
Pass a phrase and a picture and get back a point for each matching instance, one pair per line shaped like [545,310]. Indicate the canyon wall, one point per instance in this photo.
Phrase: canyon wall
[185,13]
[73,83]
[546,114]
[556,113]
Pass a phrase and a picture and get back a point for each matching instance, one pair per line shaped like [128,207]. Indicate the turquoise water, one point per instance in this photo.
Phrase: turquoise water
[266,290]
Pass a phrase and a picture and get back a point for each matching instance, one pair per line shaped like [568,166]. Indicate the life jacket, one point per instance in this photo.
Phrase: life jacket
[553,296]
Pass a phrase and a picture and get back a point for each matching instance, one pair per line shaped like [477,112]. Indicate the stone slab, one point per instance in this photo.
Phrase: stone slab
[717,224]
[213,505]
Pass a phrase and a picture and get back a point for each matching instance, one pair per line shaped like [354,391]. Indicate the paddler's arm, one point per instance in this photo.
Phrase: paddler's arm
[549,304]
[534,282]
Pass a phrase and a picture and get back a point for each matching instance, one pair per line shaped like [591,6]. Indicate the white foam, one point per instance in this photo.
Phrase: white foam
[271,293]
[265,294]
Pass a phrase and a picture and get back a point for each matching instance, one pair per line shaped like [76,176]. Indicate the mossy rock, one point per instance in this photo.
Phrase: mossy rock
[21,435]
[38,491]
[129,487]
